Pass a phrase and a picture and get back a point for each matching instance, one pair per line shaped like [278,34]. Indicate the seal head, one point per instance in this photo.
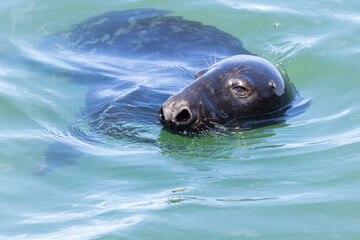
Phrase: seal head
[240,87]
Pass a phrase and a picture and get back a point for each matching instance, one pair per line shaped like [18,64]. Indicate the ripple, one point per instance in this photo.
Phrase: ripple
[102,203]
[329,141]
[244,199]
[9,89]
[32,53]
[92,229]
[328,118]
[5,167]
[290,49]
[348,16]
[258,7]
[23,134]
[4,72]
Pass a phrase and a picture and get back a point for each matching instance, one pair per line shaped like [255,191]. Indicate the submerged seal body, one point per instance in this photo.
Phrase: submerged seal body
[241,87]
[133,60]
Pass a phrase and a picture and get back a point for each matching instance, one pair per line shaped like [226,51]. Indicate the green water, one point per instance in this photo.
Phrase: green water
[295,180]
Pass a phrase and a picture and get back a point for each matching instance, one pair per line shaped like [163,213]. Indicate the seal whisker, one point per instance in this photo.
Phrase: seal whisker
[241,69]
[206,62]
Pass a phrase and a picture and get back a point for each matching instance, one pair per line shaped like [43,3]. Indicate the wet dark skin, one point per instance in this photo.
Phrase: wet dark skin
[242,86]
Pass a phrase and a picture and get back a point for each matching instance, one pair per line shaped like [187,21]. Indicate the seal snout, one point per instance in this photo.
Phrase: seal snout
[178,116]
[236,92]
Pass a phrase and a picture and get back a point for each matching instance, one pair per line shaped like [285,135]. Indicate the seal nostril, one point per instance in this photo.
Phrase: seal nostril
[184,116]
[161,115]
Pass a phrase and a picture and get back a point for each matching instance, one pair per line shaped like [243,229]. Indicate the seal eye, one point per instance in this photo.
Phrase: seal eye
[241,91]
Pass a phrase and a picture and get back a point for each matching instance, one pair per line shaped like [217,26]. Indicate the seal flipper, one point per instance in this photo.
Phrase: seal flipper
[58,154]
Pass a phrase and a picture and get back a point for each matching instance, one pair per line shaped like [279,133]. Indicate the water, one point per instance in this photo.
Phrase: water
[294,180]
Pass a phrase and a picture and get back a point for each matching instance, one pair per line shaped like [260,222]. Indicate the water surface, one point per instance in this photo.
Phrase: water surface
[299,179]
